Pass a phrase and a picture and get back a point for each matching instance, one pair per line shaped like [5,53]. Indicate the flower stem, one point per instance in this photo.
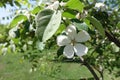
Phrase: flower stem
[90,68]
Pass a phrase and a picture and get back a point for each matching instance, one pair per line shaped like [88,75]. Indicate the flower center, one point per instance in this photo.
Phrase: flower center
[73,42]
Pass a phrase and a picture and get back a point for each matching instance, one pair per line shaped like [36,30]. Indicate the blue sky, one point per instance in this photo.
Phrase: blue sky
[9,12]
[5,12]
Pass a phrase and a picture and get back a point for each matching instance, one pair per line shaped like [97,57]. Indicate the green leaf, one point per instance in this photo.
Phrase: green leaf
[97,24]
[17,3]
[81,26]
[16,40]
[88,23]
[115,48]
[61,28]
[18,19]
[52,26]
[42,20]
[118,25]
[36,10]
[69,13]
[1,4]
[75,4]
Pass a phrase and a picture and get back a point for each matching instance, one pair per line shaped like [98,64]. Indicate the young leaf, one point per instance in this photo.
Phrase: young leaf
[36,10]
[75,4]
[69,13]
[17,19]
[52,26]
[97,24]
[42,20]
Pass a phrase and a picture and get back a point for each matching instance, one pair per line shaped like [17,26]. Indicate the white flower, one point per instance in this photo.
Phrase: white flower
[54,6]
[27,14]
[72,40]
[83,15]
[40,1]
[62,3]
[5,44]
[114,47]
[4,50]
[100,6]
[12,32]
[12,47]
[40,45]
[1,44]
[24,47]
[30,42]
[31,28]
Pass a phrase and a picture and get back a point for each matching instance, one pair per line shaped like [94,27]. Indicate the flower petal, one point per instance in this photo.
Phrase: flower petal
[63,40]
[68,51]
[80,49]
[82,36]
[71,31]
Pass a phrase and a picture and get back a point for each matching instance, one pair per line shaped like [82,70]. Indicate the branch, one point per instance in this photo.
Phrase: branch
[112,38]
[90,68]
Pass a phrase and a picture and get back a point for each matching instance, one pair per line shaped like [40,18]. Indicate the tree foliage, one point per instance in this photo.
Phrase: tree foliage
[38,28]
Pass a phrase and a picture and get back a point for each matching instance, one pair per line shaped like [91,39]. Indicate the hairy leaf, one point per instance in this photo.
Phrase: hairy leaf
[47,22]
[52,26]
[42,20]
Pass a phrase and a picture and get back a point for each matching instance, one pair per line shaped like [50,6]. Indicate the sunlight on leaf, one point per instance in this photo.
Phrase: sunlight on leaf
[18,19]
[69,13]
[75,4]
[36,10]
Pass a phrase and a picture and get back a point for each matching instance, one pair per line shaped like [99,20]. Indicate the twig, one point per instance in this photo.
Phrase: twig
[112,38]
[90,68]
